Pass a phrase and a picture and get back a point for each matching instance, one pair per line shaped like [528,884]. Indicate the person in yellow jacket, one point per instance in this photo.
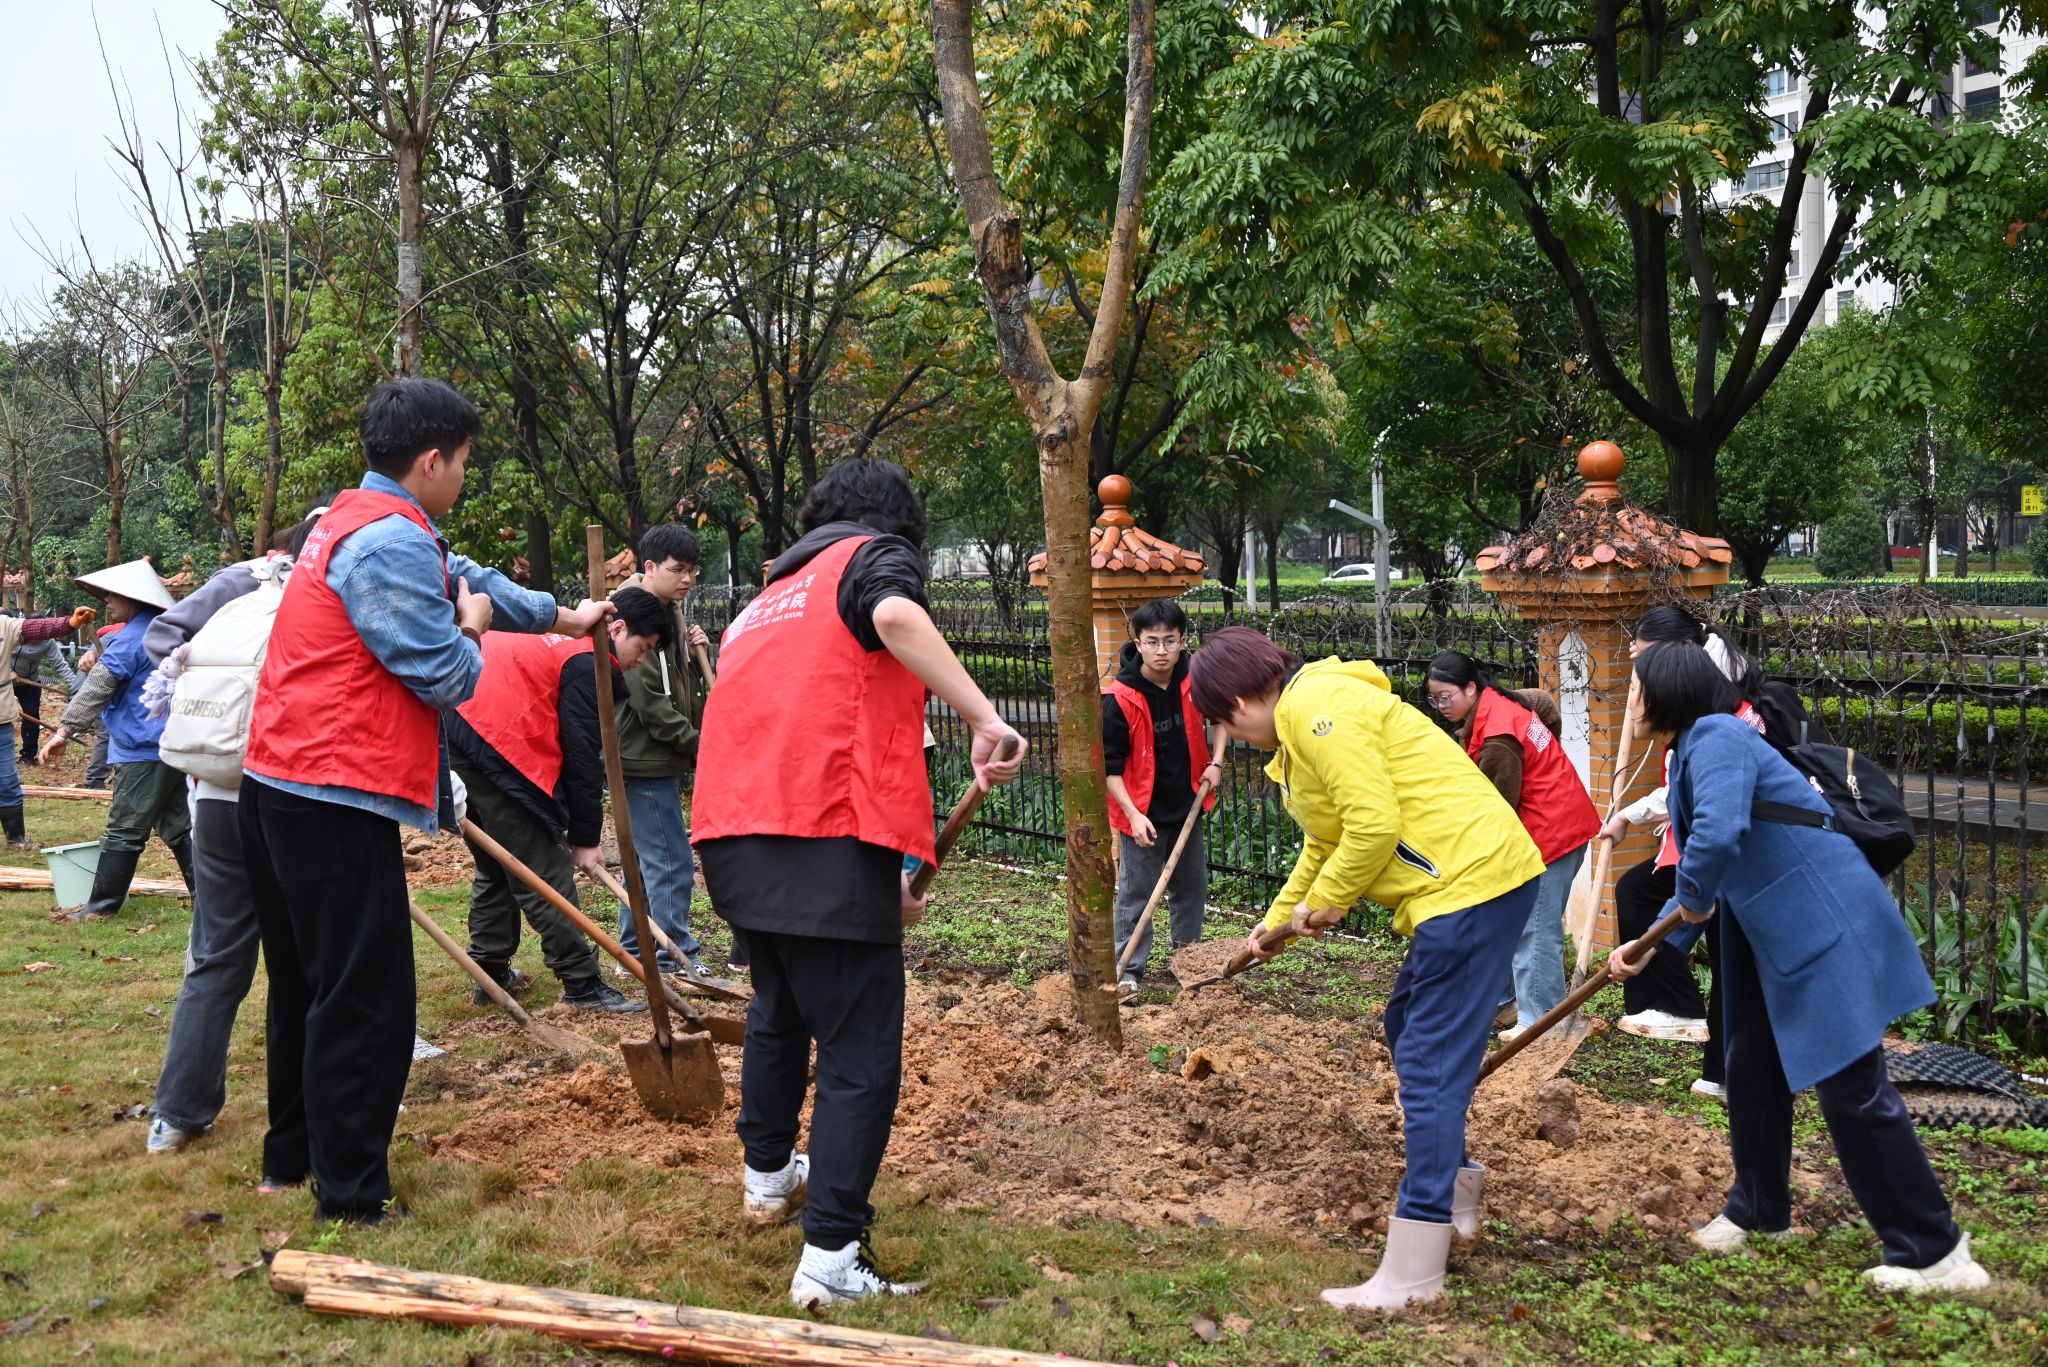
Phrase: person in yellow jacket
[1391,810]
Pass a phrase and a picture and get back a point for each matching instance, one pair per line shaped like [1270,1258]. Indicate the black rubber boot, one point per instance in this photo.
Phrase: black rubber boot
[181,850]
[11,822]
[109,885]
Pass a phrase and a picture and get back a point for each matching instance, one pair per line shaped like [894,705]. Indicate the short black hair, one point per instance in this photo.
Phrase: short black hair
[667,541]
[1160,612]
[874,493]
[643,614]
[1680,684]
[1670,622]
[406,418]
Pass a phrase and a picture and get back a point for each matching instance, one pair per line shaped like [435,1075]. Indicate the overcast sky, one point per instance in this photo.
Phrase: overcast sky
[58,176]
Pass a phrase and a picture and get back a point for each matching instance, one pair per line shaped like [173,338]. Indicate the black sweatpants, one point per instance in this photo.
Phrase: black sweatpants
[497,895]
[30,696]
[329,889]
[1882,1161]
[848,996]
[1667,983]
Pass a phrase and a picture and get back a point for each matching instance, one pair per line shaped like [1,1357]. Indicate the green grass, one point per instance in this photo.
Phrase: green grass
[125,1260]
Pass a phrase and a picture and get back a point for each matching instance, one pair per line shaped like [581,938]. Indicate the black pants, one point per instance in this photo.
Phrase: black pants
[329,889]
[1667,983]
[848,996]
[497,895]
[30,696]
[1882,1160]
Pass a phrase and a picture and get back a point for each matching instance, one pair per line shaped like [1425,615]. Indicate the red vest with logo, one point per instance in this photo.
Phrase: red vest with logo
[1555,808]
[327,711]
[1143,765]
[807,733]
[517,706]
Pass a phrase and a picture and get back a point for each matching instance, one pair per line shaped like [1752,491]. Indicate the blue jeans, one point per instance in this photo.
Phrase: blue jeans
[1437,1021]
[1539,956]
[10,770]
[662,841]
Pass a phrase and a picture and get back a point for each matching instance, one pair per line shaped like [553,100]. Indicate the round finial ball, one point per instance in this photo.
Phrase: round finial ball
[1600,462]
[1114,491]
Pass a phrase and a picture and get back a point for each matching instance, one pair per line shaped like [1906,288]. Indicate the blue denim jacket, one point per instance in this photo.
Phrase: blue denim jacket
[379,573]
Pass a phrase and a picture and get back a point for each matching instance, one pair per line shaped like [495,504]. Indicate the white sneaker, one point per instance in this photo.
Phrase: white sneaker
[774,1198]
[1723,1235]
[1717,1091]
[826,1278]
[1957,1272]
[1512,1033]
[165,1137]
[1664,1025]
[1126,987]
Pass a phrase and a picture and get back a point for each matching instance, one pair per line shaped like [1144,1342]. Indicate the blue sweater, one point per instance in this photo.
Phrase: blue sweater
[1825,940]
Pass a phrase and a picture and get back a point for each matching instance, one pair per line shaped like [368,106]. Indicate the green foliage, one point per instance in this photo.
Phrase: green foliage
[2037,548]
[1852,543]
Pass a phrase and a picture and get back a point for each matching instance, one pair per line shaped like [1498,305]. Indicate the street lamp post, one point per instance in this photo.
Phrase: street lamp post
[1377,520]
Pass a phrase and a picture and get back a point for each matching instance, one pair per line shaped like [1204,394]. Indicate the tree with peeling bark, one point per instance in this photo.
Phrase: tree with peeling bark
[1062,415]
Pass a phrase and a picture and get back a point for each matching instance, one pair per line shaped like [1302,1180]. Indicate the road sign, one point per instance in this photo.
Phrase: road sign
[2031,502]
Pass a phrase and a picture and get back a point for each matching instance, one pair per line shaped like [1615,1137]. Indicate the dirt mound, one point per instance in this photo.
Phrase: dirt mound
[433,861]
[1215,1112]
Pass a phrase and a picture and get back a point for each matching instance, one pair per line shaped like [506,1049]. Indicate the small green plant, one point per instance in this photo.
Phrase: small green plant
[1852,544]
[1997,967]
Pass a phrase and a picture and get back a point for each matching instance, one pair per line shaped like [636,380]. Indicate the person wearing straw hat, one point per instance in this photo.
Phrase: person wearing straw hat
[148,794]
[17,634]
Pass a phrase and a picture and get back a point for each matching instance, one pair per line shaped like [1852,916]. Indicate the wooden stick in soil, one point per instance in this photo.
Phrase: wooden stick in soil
[1578,997]
[563,1041]
[957,822]
[722,1030]
[346,1286]
[1187,828]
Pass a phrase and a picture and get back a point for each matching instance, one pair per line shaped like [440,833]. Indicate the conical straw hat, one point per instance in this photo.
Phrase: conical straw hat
[135,580]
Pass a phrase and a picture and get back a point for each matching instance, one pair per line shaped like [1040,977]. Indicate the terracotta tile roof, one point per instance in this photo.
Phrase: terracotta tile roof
[1117,544]
[1599,530]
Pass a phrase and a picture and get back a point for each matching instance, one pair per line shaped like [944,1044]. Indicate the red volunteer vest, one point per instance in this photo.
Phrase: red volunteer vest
[1143,765]
[807,734]
[517,706]
[1555,808]
[327,712]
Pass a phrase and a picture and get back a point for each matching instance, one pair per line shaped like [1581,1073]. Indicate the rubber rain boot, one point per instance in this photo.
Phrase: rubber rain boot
[17,831]
[181,850]
[1411,1270]
[1465,1200]
[109,885]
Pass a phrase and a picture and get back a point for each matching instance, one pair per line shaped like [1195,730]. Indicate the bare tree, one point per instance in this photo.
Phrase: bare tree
[1062,415]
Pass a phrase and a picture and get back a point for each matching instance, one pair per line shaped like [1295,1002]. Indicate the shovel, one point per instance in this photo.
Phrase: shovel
[554,1037]
[722,988]
[1214,960]
[1578,997]
[723,1030]
[957,822]
[1187,828]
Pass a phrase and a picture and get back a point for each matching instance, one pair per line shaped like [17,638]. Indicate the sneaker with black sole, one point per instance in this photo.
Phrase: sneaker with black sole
[513,981]
[828,1277]
[598,995]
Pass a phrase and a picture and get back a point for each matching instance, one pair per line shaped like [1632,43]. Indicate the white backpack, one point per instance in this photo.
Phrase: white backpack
[206,731]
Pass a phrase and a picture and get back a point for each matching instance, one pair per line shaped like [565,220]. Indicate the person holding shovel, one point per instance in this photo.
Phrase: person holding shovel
[807,801]
[148,794]
[1512,737]
[1390,809]
[1155,751]
[526,746]
[1816,962]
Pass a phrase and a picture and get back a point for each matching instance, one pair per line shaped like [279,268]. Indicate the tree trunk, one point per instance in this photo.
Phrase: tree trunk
[273,460]
[408,155]
[117,493]
[1271,535]
[1693,487]
[540,551]
[217,452]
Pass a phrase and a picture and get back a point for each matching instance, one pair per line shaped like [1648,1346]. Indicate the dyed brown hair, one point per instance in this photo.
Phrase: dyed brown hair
[1236,662]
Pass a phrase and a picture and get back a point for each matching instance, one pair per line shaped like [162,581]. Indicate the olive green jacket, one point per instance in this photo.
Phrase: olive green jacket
[658,716]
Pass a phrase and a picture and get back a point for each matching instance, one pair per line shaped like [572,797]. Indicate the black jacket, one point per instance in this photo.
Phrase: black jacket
[577,804]
[1173,786]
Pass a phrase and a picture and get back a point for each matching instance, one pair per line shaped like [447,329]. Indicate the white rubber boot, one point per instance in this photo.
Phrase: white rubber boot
[1465,1200]
[1957,1272]
[1411,1270]
[774,1198]
[828,1277]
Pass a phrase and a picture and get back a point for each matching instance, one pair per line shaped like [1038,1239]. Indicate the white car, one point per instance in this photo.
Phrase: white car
[1357,574]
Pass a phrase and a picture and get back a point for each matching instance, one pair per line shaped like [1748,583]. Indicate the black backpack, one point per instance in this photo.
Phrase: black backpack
[1868,807]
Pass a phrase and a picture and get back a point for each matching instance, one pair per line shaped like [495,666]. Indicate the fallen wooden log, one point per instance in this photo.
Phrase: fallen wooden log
[14,878]
[69,794]
[347,1286]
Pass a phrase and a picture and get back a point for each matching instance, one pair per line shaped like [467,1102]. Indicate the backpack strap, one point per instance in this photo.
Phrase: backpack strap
[1785,814]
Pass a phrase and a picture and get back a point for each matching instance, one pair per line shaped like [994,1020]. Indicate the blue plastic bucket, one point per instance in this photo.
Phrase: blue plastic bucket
[71,872]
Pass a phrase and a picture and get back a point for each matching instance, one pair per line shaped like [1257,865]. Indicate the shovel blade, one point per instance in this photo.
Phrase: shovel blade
[1546,1056]
[681,1082]
[1204,961]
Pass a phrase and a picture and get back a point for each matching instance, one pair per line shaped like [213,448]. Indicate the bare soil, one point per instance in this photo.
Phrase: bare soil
[1216,1112]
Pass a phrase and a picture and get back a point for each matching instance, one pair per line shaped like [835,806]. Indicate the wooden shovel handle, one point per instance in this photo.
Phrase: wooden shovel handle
[618,890]
[1275,937]
[490,985]
[957,822]
[704,664]
[1645,946]
[1187,828]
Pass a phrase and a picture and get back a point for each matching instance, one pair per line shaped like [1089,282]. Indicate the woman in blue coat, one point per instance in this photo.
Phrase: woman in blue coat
[1816,962]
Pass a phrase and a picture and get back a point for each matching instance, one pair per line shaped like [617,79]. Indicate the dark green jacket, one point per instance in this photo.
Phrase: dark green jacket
[659,714]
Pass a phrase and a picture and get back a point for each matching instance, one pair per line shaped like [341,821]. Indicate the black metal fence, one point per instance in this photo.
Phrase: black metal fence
[1954,704]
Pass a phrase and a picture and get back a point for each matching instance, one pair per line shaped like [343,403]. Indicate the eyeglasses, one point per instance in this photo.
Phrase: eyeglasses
[1159,643]
[1442,701]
